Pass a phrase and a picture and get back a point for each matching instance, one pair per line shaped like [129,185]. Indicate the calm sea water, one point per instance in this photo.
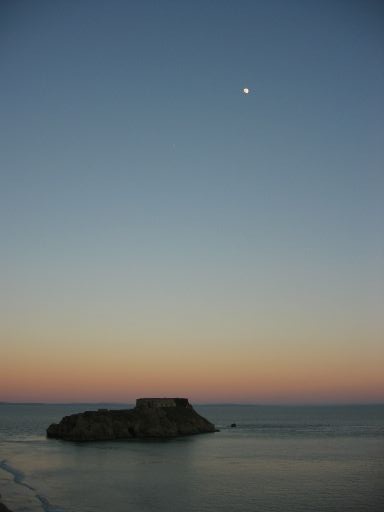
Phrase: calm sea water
[278,459]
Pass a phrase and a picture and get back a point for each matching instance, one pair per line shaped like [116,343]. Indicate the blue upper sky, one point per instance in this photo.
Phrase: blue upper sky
[136,180]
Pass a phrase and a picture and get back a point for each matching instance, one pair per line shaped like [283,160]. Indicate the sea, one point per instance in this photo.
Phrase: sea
[276,459]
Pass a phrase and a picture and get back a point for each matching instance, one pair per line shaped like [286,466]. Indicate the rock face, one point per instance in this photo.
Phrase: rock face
[152,417]
[3,508]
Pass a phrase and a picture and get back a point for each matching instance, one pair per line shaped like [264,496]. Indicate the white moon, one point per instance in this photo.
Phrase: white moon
[246,90]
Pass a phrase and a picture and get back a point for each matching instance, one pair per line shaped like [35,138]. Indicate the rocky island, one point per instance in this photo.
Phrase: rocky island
[151,418]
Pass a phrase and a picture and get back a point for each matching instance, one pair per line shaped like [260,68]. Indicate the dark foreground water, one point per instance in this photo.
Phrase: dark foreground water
[278,459]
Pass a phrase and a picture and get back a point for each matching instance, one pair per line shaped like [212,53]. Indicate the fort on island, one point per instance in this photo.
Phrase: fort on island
[153,403]
[152,417]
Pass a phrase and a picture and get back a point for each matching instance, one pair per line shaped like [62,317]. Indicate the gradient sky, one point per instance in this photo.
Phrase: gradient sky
[163,233]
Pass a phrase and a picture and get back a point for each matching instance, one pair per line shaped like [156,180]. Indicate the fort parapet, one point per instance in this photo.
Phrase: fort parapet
[153,403]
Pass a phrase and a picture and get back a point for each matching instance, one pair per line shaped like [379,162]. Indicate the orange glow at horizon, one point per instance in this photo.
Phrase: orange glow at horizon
[104,375]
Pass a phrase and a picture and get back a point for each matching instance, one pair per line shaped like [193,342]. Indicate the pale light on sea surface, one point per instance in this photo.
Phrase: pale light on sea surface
[277,458]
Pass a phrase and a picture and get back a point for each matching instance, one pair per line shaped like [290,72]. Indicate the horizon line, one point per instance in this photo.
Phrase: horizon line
[256,404]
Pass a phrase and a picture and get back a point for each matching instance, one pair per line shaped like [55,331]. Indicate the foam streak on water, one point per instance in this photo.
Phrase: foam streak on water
[19,478]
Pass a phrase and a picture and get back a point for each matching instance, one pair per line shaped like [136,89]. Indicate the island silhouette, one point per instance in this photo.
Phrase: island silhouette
[151,418]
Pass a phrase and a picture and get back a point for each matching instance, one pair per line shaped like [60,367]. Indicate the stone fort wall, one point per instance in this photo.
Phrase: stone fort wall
[151,403]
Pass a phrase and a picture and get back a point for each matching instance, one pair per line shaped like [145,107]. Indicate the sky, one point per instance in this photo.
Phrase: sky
[164,234]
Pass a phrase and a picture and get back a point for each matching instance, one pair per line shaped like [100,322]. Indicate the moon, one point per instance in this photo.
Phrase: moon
[246,90]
